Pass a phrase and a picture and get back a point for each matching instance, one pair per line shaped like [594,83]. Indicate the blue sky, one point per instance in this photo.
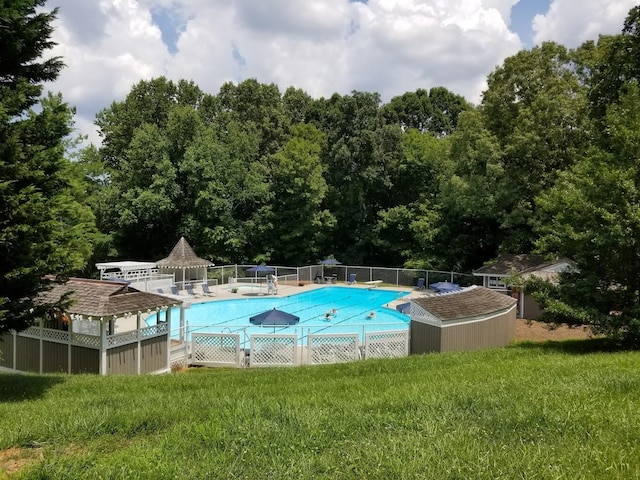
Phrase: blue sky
[522,15]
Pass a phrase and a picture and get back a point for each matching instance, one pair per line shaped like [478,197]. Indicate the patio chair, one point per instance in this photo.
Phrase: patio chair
[189,288]
[352,279]
[174,290]
[420,284]
[206,291]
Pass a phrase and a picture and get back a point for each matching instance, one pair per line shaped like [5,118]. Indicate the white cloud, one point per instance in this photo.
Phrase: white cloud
[320,46]
[570,23]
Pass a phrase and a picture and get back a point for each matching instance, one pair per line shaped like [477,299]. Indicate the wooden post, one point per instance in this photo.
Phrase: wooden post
[103,348]
[41,343]
[168,318]
[138,346]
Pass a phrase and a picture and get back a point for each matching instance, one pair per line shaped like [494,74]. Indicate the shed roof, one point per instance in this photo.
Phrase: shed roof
[100,298]
[470,302]
[183,256]
[509,264]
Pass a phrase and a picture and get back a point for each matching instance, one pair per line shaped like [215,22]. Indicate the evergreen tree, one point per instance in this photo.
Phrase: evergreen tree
[31,158]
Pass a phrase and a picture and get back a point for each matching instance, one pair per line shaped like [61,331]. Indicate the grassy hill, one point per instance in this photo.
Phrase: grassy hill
[526,411]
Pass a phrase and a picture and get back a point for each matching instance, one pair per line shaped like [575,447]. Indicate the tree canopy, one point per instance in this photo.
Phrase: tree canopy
[46,227]
[546,163]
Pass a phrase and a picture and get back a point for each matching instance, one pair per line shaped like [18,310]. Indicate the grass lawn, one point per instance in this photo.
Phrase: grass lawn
[527,411]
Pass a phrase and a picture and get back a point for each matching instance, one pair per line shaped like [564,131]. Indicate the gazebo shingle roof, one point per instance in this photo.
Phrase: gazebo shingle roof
[98,298]
[470,302]
[183,256]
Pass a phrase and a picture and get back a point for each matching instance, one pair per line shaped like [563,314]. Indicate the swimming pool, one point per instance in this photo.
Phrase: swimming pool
[353,307]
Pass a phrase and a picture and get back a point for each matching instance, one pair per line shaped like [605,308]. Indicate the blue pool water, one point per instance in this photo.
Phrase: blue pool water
[353,307]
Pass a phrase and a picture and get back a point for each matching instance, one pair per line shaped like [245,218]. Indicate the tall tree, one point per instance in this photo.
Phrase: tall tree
[536,107]
[594,218]
[299,223]
[31,161]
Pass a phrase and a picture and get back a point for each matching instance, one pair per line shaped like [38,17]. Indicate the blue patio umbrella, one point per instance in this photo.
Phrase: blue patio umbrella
[274,317]
[404,308]
[330,261]
[260,268]
[442,287]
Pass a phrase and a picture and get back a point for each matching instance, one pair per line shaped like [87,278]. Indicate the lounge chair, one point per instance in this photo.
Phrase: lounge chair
[189,288]
[160,291]
[174,290]
[420,284]
[206,291]
[352,279]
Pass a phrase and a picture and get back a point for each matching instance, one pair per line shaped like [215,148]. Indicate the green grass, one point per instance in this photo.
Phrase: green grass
[519,412]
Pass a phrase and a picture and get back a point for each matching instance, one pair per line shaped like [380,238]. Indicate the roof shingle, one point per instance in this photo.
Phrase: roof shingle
[98,298]
[183,256]
[470,302]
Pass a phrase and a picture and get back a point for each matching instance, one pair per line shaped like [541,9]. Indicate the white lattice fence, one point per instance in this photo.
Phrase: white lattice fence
[328,348]
[216,349]
[273,350]
[122,338]
[86,340]
[386,344]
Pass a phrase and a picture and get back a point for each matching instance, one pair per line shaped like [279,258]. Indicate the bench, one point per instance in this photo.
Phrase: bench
[373,283]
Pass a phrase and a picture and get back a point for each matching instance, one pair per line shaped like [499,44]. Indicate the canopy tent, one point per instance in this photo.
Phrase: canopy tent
[185,264]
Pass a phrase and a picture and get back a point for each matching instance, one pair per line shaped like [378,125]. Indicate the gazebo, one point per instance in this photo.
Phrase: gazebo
[108,328]
[184,264]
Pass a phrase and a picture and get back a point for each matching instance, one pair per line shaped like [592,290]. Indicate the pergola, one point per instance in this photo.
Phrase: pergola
[185,264]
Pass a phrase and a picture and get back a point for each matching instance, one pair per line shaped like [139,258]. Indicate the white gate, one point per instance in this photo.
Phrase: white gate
[386,344]
[268,350]
[216,350]
[336,348]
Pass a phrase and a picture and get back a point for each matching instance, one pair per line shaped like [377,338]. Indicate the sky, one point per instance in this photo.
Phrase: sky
[321,46]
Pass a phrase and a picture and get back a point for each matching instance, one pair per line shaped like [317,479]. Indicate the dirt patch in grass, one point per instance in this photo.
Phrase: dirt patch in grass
[533,331]
[14,459]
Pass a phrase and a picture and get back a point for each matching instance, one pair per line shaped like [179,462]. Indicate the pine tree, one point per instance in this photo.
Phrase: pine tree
[31,159]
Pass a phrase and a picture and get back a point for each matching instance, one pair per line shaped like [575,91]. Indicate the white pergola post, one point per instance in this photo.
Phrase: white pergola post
[103,348]
[168,318]
[138,345]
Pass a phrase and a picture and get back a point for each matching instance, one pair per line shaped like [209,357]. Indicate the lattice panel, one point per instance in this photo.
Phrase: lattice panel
[211,349]
[332,348]
[273,350]
[122,338]
[31,331]
[55,335]
[86,340]
[386,344]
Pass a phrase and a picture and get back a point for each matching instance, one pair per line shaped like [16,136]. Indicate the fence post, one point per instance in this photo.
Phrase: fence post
[103,348]
[138,345]
[15,344]
[41,342]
